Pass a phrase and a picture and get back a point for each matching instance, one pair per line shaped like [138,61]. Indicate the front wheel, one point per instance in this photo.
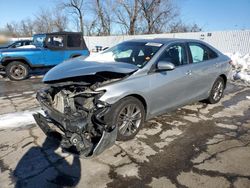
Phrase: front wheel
[217,91]
[128,115]
[17,71]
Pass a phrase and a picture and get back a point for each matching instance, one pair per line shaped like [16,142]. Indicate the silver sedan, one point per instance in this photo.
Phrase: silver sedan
[107,96]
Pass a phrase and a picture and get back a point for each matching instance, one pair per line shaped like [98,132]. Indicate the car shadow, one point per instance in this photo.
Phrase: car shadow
[41,166]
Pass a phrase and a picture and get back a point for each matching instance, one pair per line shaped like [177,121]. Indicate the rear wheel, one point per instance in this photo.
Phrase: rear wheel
[17,71]
[128,115]
[217,91]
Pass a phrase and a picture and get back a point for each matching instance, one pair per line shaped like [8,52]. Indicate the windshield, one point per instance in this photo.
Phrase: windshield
[137,53]
[38,40]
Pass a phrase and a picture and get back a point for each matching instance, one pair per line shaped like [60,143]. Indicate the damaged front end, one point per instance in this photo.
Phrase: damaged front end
[74,108]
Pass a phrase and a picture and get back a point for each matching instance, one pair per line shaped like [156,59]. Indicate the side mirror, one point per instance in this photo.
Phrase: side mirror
[165,65]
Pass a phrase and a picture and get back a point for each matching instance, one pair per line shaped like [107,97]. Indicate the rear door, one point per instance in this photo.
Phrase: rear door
[202,72]
[75,46]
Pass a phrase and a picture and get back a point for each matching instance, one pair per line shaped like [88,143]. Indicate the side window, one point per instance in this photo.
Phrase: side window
[55,41]
[74,41]
[201,53]
[16,45]
[26,43]
[141,54]
[123,54]
[175,54]
[39,40]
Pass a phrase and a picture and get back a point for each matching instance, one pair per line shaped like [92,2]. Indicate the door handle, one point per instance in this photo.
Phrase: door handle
[216,64]
[189,73]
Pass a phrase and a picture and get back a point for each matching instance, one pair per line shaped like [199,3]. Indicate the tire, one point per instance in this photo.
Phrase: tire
[116,116]
[17,71]
[217,91]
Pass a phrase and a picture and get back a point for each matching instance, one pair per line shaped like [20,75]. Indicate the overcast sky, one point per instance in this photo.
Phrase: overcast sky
[211,15]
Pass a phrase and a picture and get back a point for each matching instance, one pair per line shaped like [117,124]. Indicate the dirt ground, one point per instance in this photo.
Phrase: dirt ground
[198,145]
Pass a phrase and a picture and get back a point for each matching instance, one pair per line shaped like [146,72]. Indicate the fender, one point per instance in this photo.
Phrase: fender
[8,59]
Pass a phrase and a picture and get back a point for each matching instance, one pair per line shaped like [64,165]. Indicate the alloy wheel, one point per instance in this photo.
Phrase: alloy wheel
[218,90]
[129,119]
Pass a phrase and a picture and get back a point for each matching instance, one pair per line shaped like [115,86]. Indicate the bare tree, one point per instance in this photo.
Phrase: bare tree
[127,13]
[44,22]
[157,14]
[195,28]
[26,27]
[76,7]
[47,21]
[99,20]
[60,21]
[90,26]
[180,27]
[12,29]
[133,17]
[104,14]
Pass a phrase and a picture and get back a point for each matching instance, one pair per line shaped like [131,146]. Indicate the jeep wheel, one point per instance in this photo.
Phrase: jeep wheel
[17,71]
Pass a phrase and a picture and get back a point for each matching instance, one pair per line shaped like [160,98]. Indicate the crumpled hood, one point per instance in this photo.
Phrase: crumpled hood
[79,67]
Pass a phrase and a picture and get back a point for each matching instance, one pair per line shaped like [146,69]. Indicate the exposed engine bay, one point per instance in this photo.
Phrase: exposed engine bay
[74,108]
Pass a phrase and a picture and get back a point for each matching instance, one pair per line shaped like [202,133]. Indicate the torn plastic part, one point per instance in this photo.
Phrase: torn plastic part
[107,140]
[76,145]
[78,113]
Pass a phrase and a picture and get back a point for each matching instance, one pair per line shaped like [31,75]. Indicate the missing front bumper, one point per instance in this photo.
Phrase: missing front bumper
[106,141]
[85,134]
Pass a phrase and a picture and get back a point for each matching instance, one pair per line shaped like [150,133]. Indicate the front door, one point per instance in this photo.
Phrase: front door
[169,87]
[54,52]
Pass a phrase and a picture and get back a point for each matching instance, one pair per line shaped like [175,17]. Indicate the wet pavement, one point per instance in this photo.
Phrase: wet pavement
[198,145]
[18,96]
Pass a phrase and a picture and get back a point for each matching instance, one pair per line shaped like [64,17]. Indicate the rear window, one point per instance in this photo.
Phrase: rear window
[200,52]
[74,41]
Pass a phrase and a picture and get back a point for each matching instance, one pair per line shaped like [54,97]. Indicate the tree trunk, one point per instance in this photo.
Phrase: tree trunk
[149,26]
[81,24]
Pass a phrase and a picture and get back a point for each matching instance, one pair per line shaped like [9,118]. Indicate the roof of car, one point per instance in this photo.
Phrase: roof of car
[25,40]
[170,40]
[59,33]
[165,40]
